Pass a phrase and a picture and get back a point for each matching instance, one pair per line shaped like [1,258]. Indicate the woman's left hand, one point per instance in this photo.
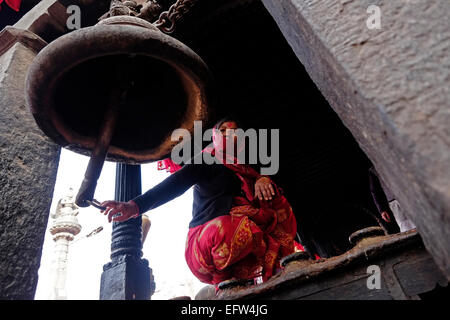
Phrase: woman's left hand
[264,189]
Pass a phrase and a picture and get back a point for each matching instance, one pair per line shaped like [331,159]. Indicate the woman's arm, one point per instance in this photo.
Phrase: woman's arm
[172,187]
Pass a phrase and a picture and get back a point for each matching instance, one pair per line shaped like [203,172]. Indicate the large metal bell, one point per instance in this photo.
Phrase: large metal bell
[116,91]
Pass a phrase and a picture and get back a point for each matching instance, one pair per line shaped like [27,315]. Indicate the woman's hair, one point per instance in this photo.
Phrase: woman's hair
[226,119]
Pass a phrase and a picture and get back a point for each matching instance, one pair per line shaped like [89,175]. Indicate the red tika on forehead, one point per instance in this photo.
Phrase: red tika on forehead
[229,124]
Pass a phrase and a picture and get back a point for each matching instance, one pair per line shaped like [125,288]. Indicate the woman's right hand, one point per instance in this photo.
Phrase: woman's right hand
[264,189]
[127,210]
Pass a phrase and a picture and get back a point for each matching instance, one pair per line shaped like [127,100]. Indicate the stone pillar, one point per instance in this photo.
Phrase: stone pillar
[390,87]
[28,167]
[127,276]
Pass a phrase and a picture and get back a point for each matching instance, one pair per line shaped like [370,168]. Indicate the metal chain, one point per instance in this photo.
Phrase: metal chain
[167,20]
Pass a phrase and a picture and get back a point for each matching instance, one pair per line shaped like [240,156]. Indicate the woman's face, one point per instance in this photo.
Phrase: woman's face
[228,128]
[227,132]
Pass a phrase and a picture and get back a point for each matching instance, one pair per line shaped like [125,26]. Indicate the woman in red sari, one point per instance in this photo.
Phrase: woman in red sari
[242,224]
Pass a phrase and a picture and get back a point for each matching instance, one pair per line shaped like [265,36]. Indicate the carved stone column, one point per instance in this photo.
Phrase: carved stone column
[28,166]
[127,276]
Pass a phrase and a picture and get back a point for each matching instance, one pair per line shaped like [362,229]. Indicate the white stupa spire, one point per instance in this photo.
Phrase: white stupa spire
[65,227]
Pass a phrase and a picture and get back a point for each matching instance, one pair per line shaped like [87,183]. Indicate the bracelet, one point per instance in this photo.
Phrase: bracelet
[264,177]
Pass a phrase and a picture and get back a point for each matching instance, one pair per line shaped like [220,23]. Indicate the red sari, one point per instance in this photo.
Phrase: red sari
[245,244]
[248,242]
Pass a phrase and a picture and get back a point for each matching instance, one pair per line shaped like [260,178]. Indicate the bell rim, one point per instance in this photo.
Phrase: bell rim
[131,20]
[74,49]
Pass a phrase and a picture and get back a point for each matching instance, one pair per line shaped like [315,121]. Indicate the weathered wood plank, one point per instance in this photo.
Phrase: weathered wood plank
[390,88]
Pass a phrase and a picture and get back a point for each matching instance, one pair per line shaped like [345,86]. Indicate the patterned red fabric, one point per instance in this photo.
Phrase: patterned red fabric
[245,244]
[168,165]
[13,4]
[245,173]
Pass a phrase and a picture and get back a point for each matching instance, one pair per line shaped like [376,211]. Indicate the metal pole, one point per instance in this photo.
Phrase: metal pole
[127,276]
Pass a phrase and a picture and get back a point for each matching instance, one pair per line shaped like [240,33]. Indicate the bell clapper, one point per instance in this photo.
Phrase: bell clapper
[98,157]
[96,203]
[85,196]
